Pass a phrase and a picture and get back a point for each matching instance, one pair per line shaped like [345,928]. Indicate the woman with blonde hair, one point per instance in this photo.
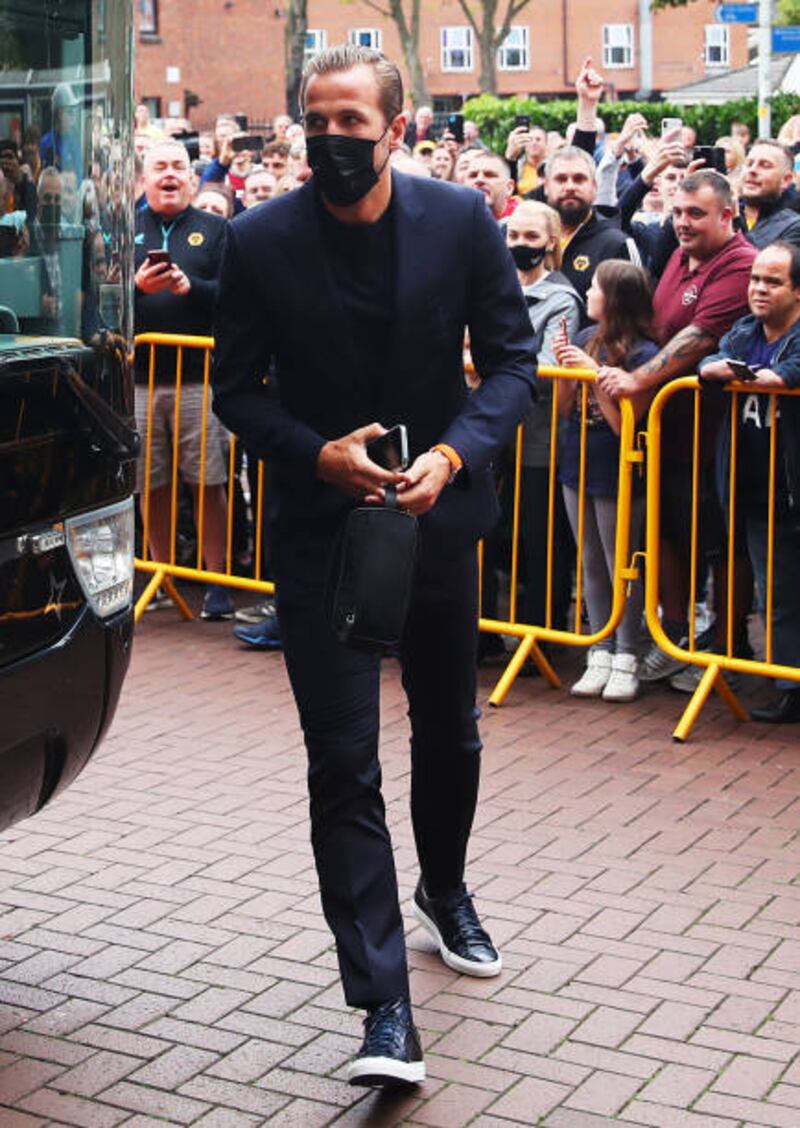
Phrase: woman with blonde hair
[533,236]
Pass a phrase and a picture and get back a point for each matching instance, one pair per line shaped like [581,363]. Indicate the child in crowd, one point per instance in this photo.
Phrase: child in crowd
[620,301]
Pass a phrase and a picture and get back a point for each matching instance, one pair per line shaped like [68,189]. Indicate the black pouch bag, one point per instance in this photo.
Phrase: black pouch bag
[370,575]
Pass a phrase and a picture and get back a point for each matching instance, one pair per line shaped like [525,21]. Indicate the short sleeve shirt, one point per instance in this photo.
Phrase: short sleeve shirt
[712,296]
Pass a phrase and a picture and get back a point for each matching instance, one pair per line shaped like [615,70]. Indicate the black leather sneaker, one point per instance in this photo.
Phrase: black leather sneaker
[453,923]
[390,1055]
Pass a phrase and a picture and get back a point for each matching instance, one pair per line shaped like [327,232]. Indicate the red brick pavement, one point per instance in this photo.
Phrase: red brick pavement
[163,959]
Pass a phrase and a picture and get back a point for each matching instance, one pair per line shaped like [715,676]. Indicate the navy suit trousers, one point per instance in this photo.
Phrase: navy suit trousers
[337,694]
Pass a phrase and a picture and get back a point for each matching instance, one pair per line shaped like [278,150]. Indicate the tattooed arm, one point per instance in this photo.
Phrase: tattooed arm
[679,357]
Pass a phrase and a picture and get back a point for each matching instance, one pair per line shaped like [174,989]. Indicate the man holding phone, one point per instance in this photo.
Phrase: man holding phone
[767,342]
[358,287]
[176,256]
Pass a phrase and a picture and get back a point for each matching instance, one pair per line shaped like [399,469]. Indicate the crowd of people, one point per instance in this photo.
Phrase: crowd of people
[638,257]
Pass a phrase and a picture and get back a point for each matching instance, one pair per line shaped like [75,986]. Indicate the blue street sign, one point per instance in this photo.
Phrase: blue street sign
[785,39]
[736,13]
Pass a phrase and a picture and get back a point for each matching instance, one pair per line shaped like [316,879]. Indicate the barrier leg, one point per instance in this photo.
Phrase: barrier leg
[527,648]
[157,580]
[711,679]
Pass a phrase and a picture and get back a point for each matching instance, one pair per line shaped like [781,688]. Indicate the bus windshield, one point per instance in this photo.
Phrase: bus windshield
[65,172]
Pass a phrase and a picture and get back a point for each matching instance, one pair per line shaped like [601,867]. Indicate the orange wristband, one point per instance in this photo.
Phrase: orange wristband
[452,456]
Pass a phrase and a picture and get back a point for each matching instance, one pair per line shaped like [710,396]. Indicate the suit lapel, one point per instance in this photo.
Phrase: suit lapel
[411,247]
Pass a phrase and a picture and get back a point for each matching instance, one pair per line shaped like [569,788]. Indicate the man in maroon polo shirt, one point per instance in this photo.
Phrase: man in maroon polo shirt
[702,291]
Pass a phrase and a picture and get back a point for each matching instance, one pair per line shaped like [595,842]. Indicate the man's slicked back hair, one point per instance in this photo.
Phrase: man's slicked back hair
[346,56]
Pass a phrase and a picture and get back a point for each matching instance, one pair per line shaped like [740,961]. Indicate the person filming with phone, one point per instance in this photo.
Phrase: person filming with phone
[763,349]
[358,287]
[177,256]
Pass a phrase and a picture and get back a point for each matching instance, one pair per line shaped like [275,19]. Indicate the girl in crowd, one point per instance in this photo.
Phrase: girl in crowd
[620,301]
[533,235]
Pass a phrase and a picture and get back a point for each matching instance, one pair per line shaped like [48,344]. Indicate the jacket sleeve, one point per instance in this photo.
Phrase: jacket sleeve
[242,357]
[214,173]
[724,350]
[503,348]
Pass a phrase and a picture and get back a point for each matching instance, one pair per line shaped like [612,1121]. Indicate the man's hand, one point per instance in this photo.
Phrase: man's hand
[516,142]
[152,277]
[667,152]
[616,382]
[633,124]
[344,463]
[766,378]
[423,482]
[589,86]
[179,282]
[717,370]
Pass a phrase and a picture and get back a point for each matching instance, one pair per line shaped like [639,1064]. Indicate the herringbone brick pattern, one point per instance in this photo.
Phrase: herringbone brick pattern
[164,961]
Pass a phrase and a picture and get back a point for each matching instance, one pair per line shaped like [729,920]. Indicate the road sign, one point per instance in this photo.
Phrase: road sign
[785,39]
[736,13]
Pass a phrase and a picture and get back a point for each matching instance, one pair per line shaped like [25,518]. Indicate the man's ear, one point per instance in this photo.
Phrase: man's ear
[397,131]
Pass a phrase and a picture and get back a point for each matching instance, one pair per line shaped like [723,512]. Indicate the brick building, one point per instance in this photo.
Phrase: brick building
[230,53]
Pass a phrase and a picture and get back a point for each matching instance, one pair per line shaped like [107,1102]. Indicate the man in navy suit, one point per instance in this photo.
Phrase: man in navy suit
[357,288]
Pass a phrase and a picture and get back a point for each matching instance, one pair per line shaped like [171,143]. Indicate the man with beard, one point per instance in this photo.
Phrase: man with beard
[571,189]
[767,174]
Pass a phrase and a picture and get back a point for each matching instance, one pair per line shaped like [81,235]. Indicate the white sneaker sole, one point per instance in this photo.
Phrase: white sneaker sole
[457,963]
[384,1072]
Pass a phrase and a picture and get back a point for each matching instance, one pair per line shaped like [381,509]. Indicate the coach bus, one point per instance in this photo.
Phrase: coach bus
[67,442]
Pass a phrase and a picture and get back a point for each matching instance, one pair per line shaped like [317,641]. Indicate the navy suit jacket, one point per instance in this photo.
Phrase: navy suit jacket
[278,310]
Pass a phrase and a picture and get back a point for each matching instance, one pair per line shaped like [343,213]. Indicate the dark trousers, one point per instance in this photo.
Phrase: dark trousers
[785,588]
[337,694]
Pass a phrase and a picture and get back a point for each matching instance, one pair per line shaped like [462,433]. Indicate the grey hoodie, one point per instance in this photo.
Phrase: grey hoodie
[549,299]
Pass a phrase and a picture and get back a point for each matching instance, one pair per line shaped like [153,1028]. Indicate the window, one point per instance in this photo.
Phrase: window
[366,37]
[148,17]
[618,45]
[718,45]
[513,54]
[316,41]
[456,48]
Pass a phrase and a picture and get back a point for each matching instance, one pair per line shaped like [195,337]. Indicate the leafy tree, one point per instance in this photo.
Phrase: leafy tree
[405,15]
[788,13]
[489,35]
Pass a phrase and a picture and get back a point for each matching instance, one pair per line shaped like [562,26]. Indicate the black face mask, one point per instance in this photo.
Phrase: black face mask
[525,257]
[344,166]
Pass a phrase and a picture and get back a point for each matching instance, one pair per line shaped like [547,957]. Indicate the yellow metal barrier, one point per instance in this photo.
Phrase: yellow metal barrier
[531,634]
[716,664]
[164,572]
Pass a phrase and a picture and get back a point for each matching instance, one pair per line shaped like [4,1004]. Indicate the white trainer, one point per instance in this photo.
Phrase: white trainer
[623,684]
[597,673]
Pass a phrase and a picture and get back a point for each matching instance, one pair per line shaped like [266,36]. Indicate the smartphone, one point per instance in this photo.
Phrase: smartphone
[741,370]
[159,257]
[191,139]
[522,121]
[670,124]
[713,155]
[390,450]
[455,123]
[253,142]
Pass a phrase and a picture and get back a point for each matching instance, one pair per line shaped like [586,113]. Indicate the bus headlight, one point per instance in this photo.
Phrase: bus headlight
[101,548]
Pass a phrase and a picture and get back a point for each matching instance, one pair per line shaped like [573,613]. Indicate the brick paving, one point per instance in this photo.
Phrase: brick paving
[163,958]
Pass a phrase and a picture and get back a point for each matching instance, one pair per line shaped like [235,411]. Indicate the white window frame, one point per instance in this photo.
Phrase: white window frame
[616,37]
[319,42]
[517,40]
[374,35]
[722,34]
[460,37]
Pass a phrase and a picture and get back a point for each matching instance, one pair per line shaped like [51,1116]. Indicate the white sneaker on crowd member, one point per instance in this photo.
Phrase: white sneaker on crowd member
[597,673]
[623,684]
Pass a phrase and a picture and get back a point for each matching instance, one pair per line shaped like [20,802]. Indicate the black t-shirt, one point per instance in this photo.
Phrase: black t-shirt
[361,258]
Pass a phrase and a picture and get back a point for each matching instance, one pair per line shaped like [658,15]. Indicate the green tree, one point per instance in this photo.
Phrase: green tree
[405,17]
[788,13]
[482,17]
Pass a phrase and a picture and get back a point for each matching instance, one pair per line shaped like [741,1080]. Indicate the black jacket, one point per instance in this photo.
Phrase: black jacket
[195,244]
[596,240]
